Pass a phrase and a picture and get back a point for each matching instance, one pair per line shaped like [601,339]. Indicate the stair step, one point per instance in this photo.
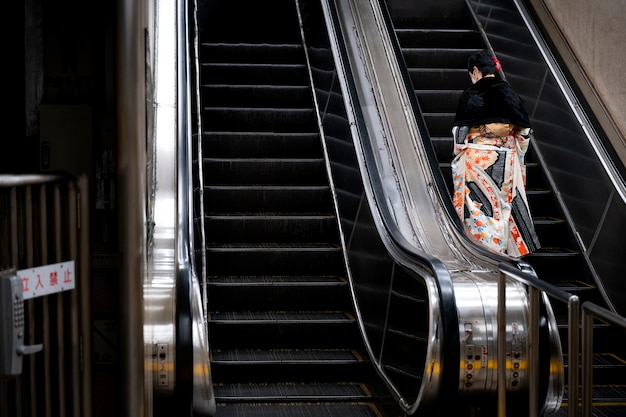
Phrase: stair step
[259,53]
[321,409]
[287,356]
[289,330]
[438,38]
[275,96]
[280,317]
[278,293]
[262,281]
[261,144]
[265,171]
[254,119]
[267,198]
[300,367]
[270,227]
[291,392]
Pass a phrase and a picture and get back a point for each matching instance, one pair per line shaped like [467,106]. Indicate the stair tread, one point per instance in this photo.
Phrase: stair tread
[292,391]
[269,216]
[272,246]
[275,280]
[264,160]
[286,355]
[280,317]
[260,45]
[261,409]
[266,187]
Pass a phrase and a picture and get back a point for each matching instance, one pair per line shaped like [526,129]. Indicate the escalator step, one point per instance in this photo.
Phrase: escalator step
[286,356]
[321,280]
[265,171]
[270,227]
[297,410]
[275,259]
[279,317]
[276,96]
[267,198]
[438,38]
[256,74]
[290,293]
[255,119]
[291,392]
[261,144]
[258,53]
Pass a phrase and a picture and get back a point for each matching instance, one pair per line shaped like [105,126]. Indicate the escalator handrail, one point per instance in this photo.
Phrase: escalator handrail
[501,263]
[193,388]
[398,246]
[402,249]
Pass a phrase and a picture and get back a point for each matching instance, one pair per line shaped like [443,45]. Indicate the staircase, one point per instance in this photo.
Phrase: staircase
[283,336]
[436,38]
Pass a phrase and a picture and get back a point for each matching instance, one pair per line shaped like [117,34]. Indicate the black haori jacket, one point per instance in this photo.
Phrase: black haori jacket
[491,100]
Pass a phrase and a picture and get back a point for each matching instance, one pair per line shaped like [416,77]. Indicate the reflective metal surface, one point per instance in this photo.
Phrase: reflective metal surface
[177,362]
[427,300]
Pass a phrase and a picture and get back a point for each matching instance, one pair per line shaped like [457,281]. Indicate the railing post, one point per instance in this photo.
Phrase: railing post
[533,360]
[501,362]
[587,364]
[574,350]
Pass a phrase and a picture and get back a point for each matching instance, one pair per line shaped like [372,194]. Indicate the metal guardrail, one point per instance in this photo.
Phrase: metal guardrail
[588,312]
[535,287]
[44,220]
[591,312]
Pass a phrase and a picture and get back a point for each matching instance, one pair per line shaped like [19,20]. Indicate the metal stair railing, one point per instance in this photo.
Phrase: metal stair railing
[44,219]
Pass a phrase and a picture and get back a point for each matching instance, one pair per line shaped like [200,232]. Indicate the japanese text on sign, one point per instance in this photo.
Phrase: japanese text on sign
[47,279]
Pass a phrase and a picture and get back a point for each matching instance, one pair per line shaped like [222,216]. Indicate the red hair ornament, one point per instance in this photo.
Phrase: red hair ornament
[497,62]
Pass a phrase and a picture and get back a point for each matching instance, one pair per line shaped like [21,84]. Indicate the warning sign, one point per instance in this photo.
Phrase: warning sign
[47,279]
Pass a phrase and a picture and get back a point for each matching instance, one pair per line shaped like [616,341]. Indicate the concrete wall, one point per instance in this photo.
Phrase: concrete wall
[595,31]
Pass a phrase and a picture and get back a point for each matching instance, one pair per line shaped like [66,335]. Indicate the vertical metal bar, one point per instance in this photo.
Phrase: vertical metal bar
[28,227]
[14,261]
[84,289]
[58,244]
[72,232]
[533,369]
[501,351]
[573,349]
[47,311]
[14,228]
[587,364]
[28,240]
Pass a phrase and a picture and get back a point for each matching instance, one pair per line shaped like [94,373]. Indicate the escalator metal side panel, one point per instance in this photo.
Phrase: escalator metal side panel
[177,374]
[390,293]
[398,181]
[439,19]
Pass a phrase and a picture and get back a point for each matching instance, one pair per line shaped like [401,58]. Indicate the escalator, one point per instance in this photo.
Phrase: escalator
[283,333]
[436,38]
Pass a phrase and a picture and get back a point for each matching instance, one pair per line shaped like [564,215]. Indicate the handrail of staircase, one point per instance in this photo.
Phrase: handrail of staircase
[174,327]
[577,314]
[591,311]
[190,314]
[387,220]
[535,286]
[444,323]
[442,318]
[45,220]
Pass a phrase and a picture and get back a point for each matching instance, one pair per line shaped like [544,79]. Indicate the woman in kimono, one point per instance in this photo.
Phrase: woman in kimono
[491,136]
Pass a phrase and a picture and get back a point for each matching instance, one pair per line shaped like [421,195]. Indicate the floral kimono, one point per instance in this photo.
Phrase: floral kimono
[488,168]
[489,192]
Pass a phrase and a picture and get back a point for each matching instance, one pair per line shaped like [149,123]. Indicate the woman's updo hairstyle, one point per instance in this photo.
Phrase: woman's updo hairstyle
[484,61]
